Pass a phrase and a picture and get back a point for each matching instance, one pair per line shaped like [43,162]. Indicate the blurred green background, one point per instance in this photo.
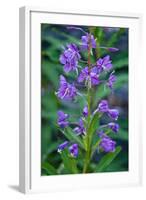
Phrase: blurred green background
[53,39]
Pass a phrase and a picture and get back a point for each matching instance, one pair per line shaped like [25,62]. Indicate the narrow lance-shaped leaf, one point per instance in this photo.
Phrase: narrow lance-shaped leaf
[69,163]
[93,126]
[70,135]
[121,63]
[95,146]
[49,168]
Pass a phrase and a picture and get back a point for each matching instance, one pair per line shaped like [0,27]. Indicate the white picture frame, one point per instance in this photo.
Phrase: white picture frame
[30,177]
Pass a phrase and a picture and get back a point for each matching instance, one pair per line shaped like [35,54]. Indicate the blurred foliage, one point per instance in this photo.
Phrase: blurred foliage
[53,39]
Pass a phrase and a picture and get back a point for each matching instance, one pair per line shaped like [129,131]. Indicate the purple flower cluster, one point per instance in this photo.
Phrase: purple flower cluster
[113,126]
[103,107]
[104,64]
[88,41]
[62,146]
[62,119]
[90,76]
[111,80]
[107,144]
[113,113]
[80,128]
[73,149]
[70,58]
[85,111]
[66,91]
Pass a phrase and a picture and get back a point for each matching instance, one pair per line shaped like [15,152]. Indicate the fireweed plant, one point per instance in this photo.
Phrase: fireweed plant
[86,138]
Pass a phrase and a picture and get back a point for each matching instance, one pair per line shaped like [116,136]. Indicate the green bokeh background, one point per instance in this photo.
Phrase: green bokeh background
[53,39]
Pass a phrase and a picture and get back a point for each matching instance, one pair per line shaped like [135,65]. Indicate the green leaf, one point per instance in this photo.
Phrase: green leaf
[69,162]
[95,146]
[70,135]
[94,123]
[102,93]
[107,159]
[50,73]
[120,63]
[92,127]
[49,168]
[122,135]
[115,37]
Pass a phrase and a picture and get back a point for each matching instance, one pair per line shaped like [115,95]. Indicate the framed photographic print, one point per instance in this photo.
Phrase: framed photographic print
[79,108]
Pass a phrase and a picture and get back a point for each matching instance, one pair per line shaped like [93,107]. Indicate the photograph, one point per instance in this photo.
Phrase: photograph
[84,99]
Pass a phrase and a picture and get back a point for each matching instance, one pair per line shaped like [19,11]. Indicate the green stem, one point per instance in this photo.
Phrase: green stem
[88,150]
[87,160]
[89,103]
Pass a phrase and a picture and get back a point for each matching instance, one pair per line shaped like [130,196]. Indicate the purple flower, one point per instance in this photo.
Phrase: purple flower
[113,126]
[113,113]
[62,146]
[107,144]
[103,106]
[62,119]
[74,150]
[66,91]
[89,75]
[101,133]
[80,128]
[88,41]
[94,78]
[112,49]
[83,75]
[104,64]
[111,80]
[74,48]
[70,58]
[85,111]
